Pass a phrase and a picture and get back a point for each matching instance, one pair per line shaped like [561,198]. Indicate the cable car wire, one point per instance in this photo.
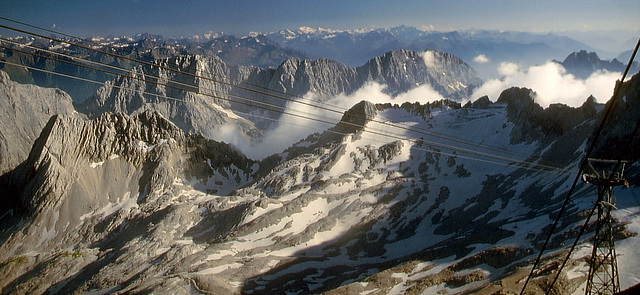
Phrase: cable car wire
[596,136]
[545,163]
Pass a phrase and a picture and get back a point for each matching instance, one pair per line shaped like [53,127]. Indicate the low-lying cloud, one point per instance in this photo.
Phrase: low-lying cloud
[293,128]
[552,84]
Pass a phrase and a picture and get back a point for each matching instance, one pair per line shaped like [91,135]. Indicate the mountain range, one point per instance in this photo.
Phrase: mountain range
[132,204]
[203,105]
[483,50]
[127,190]
[353,47]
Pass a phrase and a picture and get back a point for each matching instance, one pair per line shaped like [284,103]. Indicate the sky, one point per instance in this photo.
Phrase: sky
[196,17]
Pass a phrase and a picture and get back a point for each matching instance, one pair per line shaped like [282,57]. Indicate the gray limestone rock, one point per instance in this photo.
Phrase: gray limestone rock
[24,111]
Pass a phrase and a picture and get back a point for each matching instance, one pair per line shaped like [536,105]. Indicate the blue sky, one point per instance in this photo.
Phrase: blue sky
[191,17]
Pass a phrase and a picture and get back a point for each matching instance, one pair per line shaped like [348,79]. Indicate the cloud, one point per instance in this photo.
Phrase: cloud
[481,59]
[293,128]
[423,94]
[552,84]
[430,59]
[374,92]
[371,91]
[508,69]
[427,28]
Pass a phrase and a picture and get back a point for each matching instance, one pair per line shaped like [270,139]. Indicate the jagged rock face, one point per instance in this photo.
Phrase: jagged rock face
[447,74]
[68,144]
[533,123]
[324,77]
[203,99]
[24,111]
[79,169]
[194,104]
[132,205]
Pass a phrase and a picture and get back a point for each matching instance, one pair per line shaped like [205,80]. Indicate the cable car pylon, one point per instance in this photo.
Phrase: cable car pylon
[603,275]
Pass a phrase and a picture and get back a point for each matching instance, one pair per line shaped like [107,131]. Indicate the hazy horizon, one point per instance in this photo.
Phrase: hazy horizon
[197,17]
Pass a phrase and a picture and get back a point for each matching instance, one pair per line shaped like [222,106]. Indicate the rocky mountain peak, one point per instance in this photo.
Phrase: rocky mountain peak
[532,122]
[582,56]
[357,117]
[68,143]
[403,69]
[482,102]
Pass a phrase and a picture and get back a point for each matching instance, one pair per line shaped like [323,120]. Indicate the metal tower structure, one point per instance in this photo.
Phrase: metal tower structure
[603,268]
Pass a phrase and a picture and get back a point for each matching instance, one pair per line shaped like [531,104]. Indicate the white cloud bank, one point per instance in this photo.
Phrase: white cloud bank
[552,84]
[291,129]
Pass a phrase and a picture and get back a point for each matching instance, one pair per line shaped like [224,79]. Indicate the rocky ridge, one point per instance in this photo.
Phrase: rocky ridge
[80,168]
[131,204]
[201,101]
[197,105]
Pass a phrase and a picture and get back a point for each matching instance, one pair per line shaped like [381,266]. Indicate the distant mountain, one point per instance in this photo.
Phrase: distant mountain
[256,51]
[582,64]
[354,47]
[625,56]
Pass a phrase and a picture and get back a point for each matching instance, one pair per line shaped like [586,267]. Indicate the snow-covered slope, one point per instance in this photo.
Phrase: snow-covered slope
[413,199]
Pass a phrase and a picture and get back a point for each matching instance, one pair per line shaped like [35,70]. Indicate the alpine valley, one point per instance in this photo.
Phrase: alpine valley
[128,188]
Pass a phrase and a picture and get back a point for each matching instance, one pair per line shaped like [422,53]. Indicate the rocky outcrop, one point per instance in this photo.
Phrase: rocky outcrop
[352,122]
[356,118]
[533,123]
[24,111]
[78,165]
[619,137]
